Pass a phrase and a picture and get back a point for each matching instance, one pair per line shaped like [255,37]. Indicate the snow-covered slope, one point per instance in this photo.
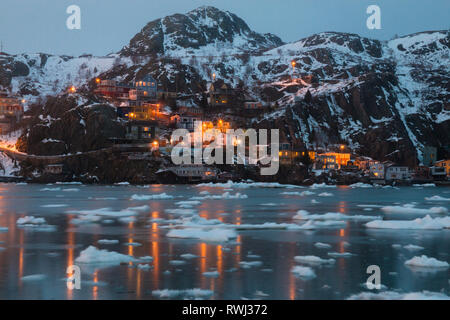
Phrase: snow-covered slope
[384,99]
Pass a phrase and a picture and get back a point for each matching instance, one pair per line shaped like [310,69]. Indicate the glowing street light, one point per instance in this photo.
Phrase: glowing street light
[97,80]
[72,89]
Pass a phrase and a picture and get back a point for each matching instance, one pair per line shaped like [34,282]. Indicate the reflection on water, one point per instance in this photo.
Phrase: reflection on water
[30,252]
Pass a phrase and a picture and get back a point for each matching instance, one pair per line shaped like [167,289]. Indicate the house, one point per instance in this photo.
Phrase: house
[251,103]
[444,164]
[144,89]
[288,154]
[377,172]
[428,155]
[325,162]
[219,94]
[397,173]
[185,120]
[438,173]
[11,112]
[364,163]
[111,89]
[142,130]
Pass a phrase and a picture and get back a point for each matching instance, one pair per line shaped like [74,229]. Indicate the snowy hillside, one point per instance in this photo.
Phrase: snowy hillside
[384,99]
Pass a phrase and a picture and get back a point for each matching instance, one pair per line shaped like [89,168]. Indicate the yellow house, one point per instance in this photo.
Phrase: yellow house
[445,164]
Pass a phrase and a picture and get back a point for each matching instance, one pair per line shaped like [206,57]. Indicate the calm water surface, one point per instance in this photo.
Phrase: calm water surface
[25,252]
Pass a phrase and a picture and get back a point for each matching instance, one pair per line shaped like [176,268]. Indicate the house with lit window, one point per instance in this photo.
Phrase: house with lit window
[142,130]
[444,164]
[428,155]
[219,94]
[144,89]
[11,112]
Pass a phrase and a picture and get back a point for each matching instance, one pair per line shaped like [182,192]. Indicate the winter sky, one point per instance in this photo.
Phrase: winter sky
[107,25]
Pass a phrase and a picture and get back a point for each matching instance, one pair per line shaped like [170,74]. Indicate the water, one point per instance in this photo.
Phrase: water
[27,252]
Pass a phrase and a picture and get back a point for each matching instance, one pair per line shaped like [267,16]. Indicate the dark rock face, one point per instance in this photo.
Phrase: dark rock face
[62,127]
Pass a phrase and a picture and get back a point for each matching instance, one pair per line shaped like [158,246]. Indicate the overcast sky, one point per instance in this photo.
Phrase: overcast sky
[107,25]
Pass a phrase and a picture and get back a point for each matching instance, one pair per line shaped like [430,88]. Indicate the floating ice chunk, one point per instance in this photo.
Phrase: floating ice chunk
[369,206]
[426,262]
[211,274]
[4,229]
[361,185]
[132,244]
[54,205]
[139,208]
[144,267]
[177,262]
[245,185]
[437,198]
[313,260]
[305,273]
[224,196]
[297,193]
[313,224]
[188,256]
[141,197]
[71,190]
[305,215]
[107,212]
[30,220]
[188,204]
[410,209]
[92,255]
[392,295]
[124,183]
[180,211]
[34,277]
[340,254]
[325,194]
[145,258]
[127,219]
[420,223]
[322,245]
[412,247]
[50,189]
[269,204]
[218,235]
[250,264]
[107,241]
[186,293]
[321,185]
[424,185]
[259,293]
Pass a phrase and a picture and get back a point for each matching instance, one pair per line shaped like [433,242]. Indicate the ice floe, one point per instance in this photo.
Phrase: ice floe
[412,247]
[305,273]
[298,193]
[313,260]
[340,254]
[218,235]
[393,295]
[211,274]
[325,194]
[54,205]
[248,184]
[185,293]
[426,262]
[322,185]
[427,222]
[250,264]
[142,197]
[411,209]
[305,215]
[437,198]
[361,185]
[225,196]
[322,245]
[108,241]
[93,255]
[34,277]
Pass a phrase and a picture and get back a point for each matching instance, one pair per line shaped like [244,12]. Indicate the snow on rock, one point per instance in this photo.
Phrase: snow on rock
[93,255]
[420,223]
[219,235]
[305,273]
[426,262]
[313,260]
